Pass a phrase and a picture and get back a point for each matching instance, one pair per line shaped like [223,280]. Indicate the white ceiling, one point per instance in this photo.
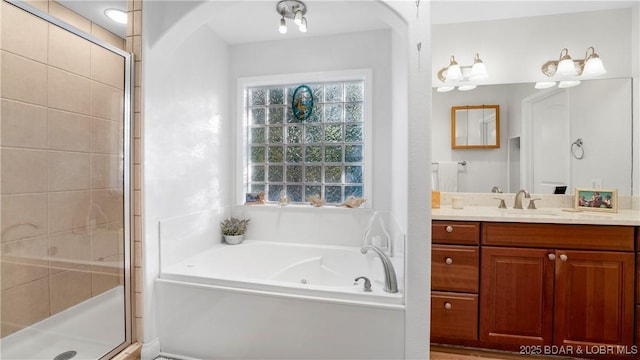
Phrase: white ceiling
[94,11]
[255,21]
[260,20]
[454,11]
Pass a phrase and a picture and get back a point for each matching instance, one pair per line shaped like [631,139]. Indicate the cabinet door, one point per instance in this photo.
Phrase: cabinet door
[516,302]
[594,298]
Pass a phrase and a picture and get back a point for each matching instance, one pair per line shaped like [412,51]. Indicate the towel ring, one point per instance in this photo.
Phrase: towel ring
[576,149]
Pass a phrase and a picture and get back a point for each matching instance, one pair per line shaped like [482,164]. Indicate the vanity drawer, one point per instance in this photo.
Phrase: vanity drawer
[559,236]
[454,268]
[454,316]
[455,232]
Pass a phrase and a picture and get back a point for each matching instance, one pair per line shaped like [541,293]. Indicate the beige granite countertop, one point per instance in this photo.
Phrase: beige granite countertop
[626,217]
[552,209]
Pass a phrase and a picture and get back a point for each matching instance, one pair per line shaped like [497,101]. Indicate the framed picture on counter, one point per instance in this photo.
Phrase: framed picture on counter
[605,200]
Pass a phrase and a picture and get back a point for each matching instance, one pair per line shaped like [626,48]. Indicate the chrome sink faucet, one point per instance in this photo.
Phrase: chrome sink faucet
[518,201]
[390,281]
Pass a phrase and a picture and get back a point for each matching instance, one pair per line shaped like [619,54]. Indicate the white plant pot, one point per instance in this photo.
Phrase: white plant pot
[233,239]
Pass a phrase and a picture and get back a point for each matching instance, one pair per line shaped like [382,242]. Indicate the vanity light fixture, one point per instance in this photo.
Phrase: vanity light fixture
[116,15]
[292,9]
[566,69]
[462,76]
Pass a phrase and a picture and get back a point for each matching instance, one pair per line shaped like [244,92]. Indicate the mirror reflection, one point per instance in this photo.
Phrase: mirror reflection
[475,127]
[542,127]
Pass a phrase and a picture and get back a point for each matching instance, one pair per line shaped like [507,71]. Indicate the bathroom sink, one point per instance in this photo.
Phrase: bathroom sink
[527,212]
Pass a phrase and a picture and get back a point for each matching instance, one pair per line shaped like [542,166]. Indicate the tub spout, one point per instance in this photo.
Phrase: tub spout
[390,282]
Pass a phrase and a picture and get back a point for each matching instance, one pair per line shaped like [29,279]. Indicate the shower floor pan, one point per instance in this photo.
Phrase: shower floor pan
[90,329]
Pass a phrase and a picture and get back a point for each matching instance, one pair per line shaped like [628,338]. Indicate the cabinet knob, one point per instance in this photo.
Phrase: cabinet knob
[551,256]
[564,257]
[448,261]
[447,305]
[449,228]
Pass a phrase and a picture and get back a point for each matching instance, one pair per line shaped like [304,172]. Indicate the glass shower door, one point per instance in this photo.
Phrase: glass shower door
[64,190]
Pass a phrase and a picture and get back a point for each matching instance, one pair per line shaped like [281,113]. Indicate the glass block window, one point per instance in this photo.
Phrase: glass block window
[322,154]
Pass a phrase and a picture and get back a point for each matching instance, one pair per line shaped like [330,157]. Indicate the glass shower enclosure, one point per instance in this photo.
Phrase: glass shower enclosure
[64,190]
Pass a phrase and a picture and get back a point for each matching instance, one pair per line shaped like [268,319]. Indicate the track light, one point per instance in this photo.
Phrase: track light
[292,9]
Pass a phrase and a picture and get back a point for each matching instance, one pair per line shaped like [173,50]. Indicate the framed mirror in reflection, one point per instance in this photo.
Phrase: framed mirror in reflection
[475,127]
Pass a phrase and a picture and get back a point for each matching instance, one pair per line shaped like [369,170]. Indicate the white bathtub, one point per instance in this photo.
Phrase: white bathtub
[304,270]
[91,329]
[265,299]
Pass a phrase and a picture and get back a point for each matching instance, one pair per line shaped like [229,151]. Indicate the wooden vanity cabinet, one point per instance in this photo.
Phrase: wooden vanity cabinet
[532,292]
[454,282]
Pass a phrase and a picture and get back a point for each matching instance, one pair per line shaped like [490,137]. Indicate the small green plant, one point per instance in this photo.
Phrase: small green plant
[234,226]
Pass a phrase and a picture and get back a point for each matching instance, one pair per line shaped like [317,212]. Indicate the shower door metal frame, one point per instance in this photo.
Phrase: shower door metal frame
[127,144]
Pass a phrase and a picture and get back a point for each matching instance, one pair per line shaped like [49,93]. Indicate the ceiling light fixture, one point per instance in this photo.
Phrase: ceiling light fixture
[566,69]
[116,15]
[462,76]
[295,10]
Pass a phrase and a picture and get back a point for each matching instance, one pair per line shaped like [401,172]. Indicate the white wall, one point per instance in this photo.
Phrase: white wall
[364,50]
[635,47]
[186,137]
[606,132]
[513,50]
[174,42]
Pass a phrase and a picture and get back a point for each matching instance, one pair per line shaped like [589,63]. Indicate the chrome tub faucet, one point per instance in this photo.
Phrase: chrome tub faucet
[390,281]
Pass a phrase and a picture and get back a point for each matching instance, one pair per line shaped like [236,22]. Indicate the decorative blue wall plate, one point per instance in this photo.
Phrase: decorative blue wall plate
[302,102]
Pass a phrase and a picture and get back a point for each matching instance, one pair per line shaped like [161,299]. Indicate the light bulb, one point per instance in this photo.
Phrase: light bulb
[283,26]
[303,25]
[594,67]
[544,84]
[297,19]
[466,87]
[445,88]
[478,70]
[568,83]
[116,15]
[454,73]
[566,67]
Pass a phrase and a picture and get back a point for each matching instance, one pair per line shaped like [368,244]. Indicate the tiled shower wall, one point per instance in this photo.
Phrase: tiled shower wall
[61,165]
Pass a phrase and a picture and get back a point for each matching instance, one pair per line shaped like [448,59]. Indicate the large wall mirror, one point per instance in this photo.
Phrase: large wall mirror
[538,127]
[475,127]
[535,151]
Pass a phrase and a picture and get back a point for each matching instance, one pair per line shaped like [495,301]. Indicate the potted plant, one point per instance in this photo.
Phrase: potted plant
[233,229]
